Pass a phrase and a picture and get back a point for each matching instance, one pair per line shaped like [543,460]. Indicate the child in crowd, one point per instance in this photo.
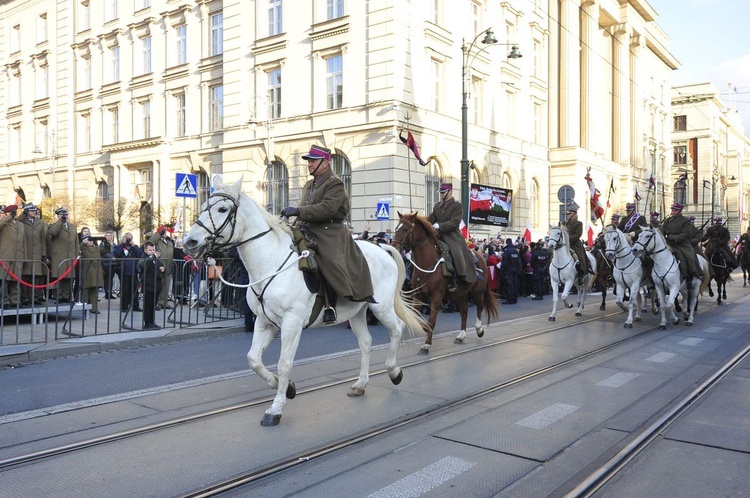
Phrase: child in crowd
[152,273]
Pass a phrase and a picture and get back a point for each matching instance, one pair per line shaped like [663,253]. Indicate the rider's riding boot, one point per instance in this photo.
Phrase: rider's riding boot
[453,284]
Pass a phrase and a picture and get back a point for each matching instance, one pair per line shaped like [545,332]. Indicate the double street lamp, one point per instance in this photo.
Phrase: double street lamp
[468,60]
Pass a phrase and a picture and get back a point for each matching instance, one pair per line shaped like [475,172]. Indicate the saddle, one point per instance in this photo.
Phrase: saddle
[325,296]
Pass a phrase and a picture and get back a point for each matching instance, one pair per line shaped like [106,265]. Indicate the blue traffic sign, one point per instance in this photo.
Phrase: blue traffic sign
[186,185]
[383,211]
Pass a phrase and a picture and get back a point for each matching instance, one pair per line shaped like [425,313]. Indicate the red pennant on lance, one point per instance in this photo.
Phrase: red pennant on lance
[591,236]
[412,144]
[464,229]
[597,210]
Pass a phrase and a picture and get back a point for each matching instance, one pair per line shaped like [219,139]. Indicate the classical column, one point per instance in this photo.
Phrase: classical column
[589,116]
[621,85]
[570,75]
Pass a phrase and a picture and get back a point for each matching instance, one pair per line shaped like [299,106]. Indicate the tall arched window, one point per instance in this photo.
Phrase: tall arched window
[343,169]
[102,191]
[680,192]
[276,184]
[534,207]
[433,177]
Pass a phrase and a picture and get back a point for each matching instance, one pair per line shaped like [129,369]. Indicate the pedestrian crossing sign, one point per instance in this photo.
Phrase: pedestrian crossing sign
[186,185]
[383,211]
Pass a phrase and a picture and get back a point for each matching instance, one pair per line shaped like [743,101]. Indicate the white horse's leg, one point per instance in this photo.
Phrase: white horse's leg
[396,327]
[566,292]
[364,339]
[555,288]
[262,337]
[583,294]
[291,331]
[620,293]
[639,299]
[478,327]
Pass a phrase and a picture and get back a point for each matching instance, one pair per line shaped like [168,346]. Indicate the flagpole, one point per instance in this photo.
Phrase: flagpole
[609,196]
[407,118]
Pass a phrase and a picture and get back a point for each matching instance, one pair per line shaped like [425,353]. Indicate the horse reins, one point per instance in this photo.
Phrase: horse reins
[407,247]
[213,236]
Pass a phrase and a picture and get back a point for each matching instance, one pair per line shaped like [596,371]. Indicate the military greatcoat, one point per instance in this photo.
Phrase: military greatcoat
[448,215]
[12,245]
[63,245]
[36,246]
[677,231]
[322,211]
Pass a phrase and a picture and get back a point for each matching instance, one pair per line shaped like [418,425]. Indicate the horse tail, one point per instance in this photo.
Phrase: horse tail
[490,304]
[402,302]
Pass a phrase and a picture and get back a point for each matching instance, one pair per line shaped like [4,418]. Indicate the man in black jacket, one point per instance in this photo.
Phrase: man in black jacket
[127,253]
[539,262]
[512,266]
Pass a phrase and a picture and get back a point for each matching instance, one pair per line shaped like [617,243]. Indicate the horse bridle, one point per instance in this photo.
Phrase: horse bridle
[617,249]
[407,244]
[214,236]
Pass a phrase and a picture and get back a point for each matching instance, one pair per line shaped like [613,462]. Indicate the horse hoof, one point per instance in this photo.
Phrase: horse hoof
[423,351]
[602,308]
[270,420]
[689,324]
[578,313]
[355,392]
[455,341]
[627,326]
[551,319]
[637,319]
[569,305]
[662,327]
[291,390]
[718,302]
[654,311]
[710,293]
[397,379]
[480,333]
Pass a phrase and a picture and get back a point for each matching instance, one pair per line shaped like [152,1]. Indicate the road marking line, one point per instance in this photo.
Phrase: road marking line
[713,330]
[618,379]
[661,357]
[543,418]
[692,341]
[426,479]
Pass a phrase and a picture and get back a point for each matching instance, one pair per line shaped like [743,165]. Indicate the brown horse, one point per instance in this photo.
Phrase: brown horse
[415,234]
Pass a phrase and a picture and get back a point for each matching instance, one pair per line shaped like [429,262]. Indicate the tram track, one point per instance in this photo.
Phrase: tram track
[139,431]
[300,458]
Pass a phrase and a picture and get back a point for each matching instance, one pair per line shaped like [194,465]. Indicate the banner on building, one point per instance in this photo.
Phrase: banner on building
[489,205]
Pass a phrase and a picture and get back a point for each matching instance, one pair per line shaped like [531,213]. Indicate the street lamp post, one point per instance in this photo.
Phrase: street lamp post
[468,59]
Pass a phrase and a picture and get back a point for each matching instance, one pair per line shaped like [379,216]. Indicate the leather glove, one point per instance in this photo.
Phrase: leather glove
[290,211]
[64,218]
[436,226]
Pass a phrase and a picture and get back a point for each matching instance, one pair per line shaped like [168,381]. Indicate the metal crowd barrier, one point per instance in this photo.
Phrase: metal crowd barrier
[194,296]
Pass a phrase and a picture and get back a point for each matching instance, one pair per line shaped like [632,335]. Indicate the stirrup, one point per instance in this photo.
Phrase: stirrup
[329,315]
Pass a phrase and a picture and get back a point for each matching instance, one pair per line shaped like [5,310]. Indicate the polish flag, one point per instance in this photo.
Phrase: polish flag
[591,236]
[464,230]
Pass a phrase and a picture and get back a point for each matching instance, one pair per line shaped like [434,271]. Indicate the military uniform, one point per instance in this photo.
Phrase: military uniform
[324,207]
[165,248]
[718,236]
[447,214]
[575,232]
[633,223]
[35,268]
[62,239]
[12,254]
[676,230]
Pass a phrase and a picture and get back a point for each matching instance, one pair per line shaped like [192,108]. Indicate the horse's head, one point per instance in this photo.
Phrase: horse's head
[216,221]
[411,231]
[646,242]
[613,242]
[557,238]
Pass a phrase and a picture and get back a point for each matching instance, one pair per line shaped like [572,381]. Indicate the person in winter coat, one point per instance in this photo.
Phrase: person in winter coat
[165,249]
[12,254]
[152,272]
[62,239]
[513,267]
[127,255]
[322,212]
[676,230]
[91,273]
[446,219]
[35,268]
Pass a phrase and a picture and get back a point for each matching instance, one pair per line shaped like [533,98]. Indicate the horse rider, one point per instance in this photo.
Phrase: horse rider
[718,237]
[575,232]
[633,222]
[322,213]
[695,235]
[676,230]
[446,219]
[655,220]
[744,243]
[615,220]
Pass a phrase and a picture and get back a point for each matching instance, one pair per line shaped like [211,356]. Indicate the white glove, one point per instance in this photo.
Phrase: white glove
[436,226]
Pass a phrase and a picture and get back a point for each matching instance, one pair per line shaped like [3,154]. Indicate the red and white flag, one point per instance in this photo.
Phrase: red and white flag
[597,209]
[464,229]
[527,234]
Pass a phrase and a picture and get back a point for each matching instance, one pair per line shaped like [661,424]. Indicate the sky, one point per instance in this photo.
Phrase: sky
[709,38]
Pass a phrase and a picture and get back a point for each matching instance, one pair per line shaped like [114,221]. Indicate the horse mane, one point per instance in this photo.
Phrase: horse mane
[426,225]
[566,235]
[276,224]
[660,236]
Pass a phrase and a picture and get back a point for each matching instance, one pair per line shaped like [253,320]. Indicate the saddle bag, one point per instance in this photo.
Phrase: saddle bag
[304,242]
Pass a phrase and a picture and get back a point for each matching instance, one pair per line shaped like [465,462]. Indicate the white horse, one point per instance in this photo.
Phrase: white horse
[627,272]
[279,297]
[666,277]
[562,269]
